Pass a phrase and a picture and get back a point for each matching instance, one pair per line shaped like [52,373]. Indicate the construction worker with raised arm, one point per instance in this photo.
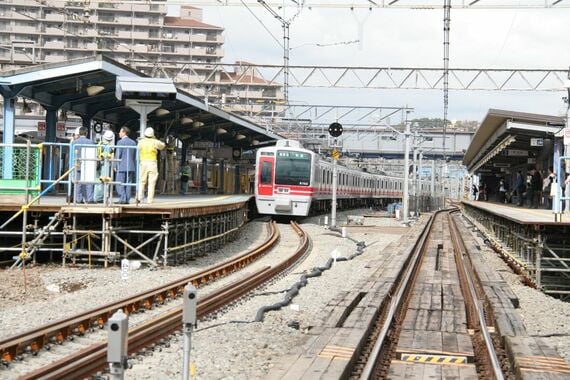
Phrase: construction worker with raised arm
[148,148]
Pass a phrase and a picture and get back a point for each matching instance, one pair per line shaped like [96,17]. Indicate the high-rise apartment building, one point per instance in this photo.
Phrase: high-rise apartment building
[137,34]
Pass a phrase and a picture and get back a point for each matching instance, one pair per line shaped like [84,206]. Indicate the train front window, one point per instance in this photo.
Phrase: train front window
[293,168]
[266,168]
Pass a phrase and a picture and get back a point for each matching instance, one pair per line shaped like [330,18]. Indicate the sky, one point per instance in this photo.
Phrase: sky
[492,38]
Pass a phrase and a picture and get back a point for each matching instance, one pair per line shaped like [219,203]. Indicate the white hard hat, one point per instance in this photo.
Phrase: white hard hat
[77,131]
[108,135]
[149,132]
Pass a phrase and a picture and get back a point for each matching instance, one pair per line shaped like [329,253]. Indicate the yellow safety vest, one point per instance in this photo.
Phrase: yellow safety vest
[149,148]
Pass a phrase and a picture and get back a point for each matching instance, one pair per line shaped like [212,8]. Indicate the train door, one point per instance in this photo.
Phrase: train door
[265,180]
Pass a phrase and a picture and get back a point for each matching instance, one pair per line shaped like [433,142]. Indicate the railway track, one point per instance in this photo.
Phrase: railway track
[57,332]
[92,359]
[438,321]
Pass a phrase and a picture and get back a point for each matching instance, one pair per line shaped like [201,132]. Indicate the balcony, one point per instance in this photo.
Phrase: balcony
[54,45]
[59,17]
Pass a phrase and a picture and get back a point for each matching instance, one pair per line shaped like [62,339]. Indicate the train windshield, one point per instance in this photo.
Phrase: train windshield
[293,168]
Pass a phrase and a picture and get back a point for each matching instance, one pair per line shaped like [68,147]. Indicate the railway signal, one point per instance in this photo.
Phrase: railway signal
[335,130]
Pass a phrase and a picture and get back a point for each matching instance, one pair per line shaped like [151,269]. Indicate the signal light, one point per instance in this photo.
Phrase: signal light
[335,129]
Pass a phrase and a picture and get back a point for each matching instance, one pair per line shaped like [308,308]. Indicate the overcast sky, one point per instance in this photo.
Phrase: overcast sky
[526,39]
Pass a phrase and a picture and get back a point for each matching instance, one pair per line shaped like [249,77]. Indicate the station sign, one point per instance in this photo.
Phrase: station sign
[517,153]
[536,142]
[41,129]
[203,144]
[60,129]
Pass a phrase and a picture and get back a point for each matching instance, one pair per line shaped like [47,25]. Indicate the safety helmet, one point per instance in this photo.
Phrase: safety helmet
[149,132]
[108,135]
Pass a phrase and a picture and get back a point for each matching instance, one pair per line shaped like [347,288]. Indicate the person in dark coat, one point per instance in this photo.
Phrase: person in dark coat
[126,166]
[535,188]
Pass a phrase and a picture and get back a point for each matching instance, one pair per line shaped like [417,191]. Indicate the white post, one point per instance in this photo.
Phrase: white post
[406,175]
[333,211]
[415,177]
[432,187]
[420,183]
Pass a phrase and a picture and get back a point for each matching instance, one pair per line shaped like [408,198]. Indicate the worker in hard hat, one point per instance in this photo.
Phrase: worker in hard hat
[85,167]
[148,148]
[105,155]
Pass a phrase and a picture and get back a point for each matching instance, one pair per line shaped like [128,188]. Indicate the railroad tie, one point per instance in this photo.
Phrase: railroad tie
[336,352]
[543,364]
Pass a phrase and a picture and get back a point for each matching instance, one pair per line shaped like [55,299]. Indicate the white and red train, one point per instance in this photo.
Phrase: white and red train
[294,181]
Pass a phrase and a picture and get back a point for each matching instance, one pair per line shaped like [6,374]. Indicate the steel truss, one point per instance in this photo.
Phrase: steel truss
[373,4]
[403,78]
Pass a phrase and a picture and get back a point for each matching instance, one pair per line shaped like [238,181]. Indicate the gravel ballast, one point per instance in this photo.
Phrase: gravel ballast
[230,345]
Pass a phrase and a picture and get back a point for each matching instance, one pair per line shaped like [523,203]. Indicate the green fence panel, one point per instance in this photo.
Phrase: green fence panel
[23,176]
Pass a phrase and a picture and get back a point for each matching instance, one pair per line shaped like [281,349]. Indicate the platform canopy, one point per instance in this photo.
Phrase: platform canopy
[509,139]
[86,87]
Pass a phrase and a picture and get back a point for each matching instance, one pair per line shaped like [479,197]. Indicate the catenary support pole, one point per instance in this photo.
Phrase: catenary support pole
[406,175]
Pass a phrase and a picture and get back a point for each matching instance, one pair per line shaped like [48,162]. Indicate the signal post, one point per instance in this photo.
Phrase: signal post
[335,130]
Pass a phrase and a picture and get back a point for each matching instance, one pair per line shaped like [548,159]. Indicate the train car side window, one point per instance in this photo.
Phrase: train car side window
[266,169]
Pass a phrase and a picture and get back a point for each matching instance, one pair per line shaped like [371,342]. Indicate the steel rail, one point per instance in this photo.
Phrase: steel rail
[418,248]
[93,358]
[461,253]
[56,332]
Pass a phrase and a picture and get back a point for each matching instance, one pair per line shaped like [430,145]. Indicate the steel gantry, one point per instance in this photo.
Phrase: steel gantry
[408,78]
[372,4]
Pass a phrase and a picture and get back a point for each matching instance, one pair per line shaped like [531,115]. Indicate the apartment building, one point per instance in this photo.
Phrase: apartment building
[137,34]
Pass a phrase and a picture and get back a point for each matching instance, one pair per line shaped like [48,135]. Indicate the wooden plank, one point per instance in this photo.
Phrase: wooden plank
[468,372]
[434,341]
[406,340]
[435,320]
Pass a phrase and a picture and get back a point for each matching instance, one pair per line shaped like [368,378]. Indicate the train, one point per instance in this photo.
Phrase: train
[293,181]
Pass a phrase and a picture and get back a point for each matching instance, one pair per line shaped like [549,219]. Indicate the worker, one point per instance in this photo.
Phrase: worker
[148,168]
[125,166]
[105,155]
[85,163]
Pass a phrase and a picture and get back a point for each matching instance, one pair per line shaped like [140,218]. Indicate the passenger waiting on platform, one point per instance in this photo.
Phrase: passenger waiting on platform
[185,175]
[535,188]
[85,162]
[125,167]
[474,191]
[547,187]
[502,191]
[519,188]
[148,168]
[482,192]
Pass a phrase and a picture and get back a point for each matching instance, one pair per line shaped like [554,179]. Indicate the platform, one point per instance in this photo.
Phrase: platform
[173,229]
[170,206]
[527,239]
[520,215]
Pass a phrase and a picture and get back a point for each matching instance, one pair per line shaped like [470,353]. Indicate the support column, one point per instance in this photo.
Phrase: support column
[222,172]
[86,122]
[184,152]
[49,156]
[406,175]
[237,182]
[8,137]
[204,178]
